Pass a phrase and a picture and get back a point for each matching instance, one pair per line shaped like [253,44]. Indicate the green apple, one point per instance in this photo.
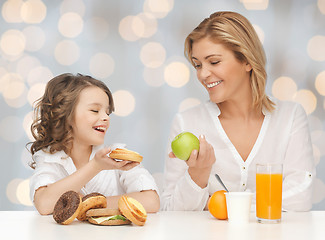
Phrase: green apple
[183,145]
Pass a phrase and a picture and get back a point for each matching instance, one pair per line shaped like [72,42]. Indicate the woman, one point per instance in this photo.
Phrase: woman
[239,126]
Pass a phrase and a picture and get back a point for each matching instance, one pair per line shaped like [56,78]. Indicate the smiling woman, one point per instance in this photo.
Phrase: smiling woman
[240,126]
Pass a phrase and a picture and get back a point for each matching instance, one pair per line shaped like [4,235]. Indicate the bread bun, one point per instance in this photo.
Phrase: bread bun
[89,201]
[133,210]
[67,207]
[125,154]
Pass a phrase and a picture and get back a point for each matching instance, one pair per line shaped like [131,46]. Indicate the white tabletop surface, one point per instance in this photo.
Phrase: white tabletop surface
[164,225]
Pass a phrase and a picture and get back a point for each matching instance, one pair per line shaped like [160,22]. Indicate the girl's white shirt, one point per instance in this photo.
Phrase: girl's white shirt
[283,138]
[51,168]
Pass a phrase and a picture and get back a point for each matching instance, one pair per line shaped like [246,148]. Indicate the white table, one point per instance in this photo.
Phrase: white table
[163,225]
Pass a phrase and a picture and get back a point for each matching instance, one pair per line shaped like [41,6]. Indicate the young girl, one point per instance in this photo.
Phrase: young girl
[71,120]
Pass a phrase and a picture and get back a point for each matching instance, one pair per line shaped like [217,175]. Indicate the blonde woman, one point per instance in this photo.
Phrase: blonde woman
[240,125]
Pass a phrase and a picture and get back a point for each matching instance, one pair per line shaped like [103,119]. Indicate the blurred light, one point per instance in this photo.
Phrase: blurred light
[96,29]
[11,11]
[35,38]
[320,83]
[70,25]
[321,6]
[76,6]
[28,120]
[126,29]
[307,99]
[188,103]
[124,103]
[39,74]
[11,190]
[158,8]
[33,11]
[11,129]
[153,55]
[284,88]
[6,80]
[25,64]
[67,52]
[255,4]
[23,193]
[13,42]
[154,77]
[14,89]
[176,74]
[35,93]
[144,25]
[101,65]
[259,32]
[316,48]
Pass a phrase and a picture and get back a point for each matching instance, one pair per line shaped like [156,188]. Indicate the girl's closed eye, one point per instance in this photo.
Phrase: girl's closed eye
[215,62]
[95,111]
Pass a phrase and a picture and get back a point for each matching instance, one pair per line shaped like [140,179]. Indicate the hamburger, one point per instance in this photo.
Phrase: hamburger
[107,217]
[129,211]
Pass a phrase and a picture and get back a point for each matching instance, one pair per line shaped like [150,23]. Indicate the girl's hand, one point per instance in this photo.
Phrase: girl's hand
[106,163]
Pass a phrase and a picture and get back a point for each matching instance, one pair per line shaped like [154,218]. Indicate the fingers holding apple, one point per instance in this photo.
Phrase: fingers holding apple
[204,158]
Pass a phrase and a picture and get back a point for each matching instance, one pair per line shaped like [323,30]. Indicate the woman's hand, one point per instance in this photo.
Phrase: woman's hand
[103,162]
[200,162]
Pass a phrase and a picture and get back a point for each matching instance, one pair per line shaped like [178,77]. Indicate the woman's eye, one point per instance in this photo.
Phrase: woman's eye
[215,62]
[95,111]
[197,65]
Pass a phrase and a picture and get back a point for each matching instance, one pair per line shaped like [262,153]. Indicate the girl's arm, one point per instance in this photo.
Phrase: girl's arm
[148,198]
[46,197]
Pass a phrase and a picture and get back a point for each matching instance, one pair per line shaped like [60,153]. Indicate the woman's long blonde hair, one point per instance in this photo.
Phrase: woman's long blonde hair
[54,112]
[236,33]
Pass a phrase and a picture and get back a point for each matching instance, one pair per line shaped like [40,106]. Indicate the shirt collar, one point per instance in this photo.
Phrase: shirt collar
[215,111]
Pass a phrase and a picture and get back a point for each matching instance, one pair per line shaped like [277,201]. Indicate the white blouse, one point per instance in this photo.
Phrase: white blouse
[50,168]
[284,138]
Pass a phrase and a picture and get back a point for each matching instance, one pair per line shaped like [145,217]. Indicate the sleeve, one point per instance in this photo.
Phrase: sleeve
[137,179]
[299,170]
[180,192]
[44,174]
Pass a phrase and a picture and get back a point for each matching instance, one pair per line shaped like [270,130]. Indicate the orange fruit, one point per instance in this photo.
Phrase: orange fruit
[217,205]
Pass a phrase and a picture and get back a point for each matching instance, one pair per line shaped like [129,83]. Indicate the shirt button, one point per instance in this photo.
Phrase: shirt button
[244,168]
[244,184]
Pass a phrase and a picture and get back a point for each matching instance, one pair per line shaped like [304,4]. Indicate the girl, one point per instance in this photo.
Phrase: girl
[241,124]
[71,120]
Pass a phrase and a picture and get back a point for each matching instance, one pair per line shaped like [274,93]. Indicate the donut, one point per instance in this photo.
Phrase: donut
[125,154]
[89,201]
[67,207]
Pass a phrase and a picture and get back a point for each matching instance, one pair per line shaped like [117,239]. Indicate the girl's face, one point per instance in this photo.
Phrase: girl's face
[91,119]
[224,77]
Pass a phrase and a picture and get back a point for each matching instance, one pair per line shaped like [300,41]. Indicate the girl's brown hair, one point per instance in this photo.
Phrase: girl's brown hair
[236,33]
[54,112]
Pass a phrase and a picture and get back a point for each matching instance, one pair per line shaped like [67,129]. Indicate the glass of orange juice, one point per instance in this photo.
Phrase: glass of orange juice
[268,193]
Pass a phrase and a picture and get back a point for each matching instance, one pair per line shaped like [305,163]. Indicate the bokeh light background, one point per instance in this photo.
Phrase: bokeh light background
[136,48]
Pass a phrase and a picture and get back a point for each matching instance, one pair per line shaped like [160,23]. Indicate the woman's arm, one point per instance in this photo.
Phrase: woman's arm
[299,169]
